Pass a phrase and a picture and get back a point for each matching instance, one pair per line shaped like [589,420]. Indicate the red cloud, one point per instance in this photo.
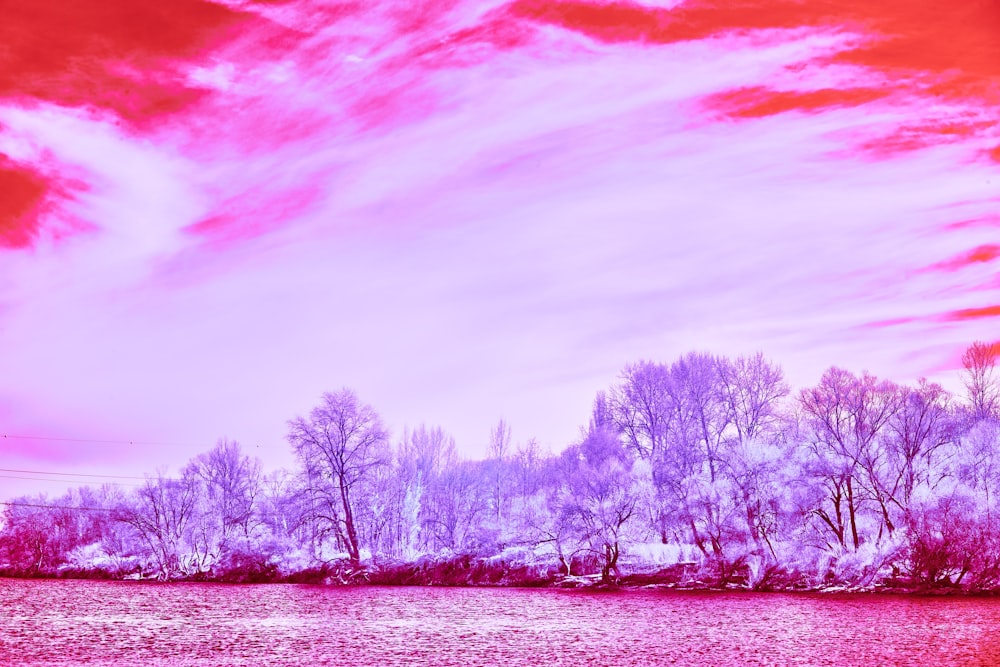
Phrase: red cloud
[118,55]
[130,58]
[23,195]
[951,47]
[980,255]
[759,102]
[915,137]
[972,313]
[121,56]
[941,51]
[630,22]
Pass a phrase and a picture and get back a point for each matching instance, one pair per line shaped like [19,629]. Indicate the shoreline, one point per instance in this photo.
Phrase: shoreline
[478,572]
[877,591]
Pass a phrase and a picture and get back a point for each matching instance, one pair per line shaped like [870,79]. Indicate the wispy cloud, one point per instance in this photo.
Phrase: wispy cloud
[466,210]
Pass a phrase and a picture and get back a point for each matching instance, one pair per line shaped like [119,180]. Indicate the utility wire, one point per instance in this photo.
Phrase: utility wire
[68,474]
[96,478]
[64,481]
[57,507]
[11,436]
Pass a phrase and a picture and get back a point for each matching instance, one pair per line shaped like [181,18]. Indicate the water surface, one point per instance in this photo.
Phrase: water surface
[127,623]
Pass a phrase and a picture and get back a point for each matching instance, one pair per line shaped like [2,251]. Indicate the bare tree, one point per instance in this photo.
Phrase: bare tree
[499,452]
[232,484]
[424,454]
[30,539]
[340,447]
[546,520]
[697,430]
[916,432]
[695,385]
[640,405]
[847,415]
[598,498]
[161,513]
[755,478]
[425,451]
[500,440]
[981,384]
[752,389]
[526,468]
[283,509]
[454,507]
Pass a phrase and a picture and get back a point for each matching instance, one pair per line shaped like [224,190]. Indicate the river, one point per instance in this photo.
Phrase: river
[128,623]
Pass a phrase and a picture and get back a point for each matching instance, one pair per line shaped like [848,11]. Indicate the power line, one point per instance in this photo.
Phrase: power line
[97,478]
[56,507]
[68,474]
[100,442]
[64,481]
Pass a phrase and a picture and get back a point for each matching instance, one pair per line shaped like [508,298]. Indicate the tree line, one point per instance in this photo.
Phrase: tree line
[706,462]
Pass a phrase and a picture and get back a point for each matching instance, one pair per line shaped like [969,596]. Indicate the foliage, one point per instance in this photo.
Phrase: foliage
[705,468]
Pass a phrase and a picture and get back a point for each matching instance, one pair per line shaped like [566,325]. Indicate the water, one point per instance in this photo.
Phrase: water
[126,623]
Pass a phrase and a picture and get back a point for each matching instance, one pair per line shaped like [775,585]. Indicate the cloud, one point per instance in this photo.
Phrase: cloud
[23,195]
[983,254]
[474,210]
[111,54]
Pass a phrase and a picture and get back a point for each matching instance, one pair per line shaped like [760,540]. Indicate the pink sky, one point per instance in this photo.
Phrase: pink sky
[212,212]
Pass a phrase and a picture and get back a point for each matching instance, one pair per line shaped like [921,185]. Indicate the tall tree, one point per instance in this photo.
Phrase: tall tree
[455,506]
[752,389]
[232,484]
[162,514]
[981,383]
[597,498]
[695,385]
[423,455]
[340,447]
[640,405]
[847,415]
[498,465]
[916,432]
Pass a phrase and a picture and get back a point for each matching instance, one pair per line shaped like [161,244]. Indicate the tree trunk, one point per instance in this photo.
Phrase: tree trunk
[353,549]
[606,569]
[851,511]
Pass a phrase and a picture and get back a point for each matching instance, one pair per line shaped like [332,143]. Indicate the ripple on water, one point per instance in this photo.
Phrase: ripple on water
[120,623]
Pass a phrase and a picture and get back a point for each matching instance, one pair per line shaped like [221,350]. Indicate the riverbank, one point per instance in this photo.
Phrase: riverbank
[468,570]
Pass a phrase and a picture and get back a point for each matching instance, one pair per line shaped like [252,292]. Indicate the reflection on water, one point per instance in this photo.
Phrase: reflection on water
[122,623]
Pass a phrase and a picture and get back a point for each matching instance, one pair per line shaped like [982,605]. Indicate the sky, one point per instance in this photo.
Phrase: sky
[211,212]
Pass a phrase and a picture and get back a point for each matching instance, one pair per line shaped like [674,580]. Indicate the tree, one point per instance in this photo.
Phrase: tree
[754,472]
[425,452]
[454,507]
[30,539]
[922,426]
[698,431]
[340,447]
[598,497]
[981,384]
[162,514]
[695,388]
[232,484]
[422,457]
[752,389]
[640,405]
[500,440]
[499,452]
[644,409]
[847,415]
